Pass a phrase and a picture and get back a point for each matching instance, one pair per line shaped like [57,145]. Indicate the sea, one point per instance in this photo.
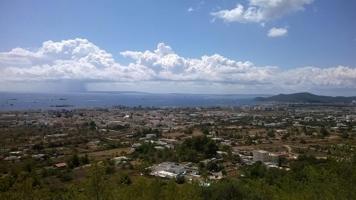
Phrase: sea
[47,101]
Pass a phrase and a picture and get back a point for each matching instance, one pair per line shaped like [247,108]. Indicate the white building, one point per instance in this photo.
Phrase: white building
[168,170]
[260,155]
[265,157]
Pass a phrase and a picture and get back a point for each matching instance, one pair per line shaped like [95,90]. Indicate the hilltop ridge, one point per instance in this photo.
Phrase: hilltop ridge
[306,97]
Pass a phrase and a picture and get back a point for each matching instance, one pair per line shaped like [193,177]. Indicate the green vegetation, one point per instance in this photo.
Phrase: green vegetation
[196,149]
[308,178]
[193,149]
[76,161]
[81,158]
[148,153]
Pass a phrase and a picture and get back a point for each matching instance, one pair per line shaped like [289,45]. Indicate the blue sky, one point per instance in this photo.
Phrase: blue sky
[320,34]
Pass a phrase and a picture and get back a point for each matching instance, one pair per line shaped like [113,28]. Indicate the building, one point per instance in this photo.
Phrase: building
[60,165]
[168,170]
[260,155]
[265,157]
[274,158]
[120,160]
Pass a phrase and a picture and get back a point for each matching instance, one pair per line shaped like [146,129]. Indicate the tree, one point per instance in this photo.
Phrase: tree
[248,140]
[257,170]
[180,179]
[344,135]
[125,179]
[270,133]
[92,125]
[205,131]
[38,147]
[84,160]
[96,183]
[74,161]
[213,167]
[324,132]
[196,148]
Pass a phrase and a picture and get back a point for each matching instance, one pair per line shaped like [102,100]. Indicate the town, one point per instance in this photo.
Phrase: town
[186,145]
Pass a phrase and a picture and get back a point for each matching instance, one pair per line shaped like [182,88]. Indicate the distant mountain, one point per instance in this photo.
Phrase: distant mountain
[305,97]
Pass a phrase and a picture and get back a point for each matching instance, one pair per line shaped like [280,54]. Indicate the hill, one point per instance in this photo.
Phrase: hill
[305,97]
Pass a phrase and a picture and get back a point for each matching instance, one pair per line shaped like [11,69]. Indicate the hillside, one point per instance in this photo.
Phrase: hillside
[306,98]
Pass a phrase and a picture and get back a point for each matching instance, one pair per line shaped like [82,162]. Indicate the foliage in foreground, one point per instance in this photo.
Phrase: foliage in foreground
[308,179]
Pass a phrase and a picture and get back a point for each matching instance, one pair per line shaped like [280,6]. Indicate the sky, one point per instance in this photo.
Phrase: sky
[179,46]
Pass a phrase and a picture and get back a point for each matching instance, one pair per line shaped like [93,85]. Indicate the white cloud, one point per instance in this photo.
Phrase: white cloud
[76,59]
[196,7]
[277,32]
[170,66]
[80,61]
[260,10]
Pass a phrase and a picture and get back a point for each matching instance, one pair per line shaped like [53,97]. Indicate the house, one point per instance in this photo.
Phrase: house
[222,153]
[136,145]
[260,155]
[39,156]
[15,153]
[12,158]
[216,176]
[60,165]
[168,170]
[159,147]
[265,157]
[120,160]
[150,136]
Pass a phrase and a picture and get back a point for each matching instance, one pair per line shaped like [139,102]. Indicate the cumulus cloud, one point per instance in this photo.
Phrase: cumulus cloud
[76,59]
[170,66]
[260,11]
[79,60]
[277,32]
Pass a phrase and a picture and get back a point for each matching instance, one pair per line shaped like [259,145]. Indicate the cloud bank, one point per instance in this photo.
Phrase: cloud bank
[80,61]
[259,11]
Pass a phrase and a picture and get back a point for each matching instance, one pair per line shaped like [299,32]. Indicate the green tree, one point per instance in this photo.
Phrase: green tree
[92,125]
[324,132]
[96,187]
[74,161]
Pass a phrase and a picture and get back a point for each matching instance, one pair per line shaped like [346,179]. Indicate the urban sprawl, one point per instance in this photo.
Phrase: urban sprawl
[191,145]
